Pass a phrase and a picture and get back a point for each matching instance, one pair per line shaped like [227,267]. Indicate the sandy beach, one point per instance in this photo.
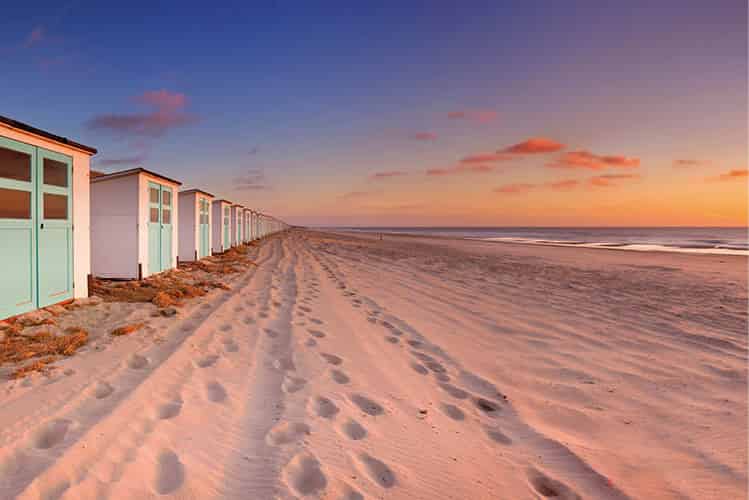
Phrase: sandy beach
[345,367]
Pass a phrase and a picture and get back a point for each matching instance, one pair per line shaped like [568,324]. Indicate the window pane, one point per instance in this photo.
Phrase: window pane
[154,217]
[166,197]
[154,195]
[55,173]
[15,204]
[226,211]
[15,165]
[55,206]
[166,216]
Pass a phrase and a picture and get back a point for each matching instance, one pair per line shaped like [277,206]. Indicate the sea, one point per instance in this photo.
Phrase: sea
[708,240]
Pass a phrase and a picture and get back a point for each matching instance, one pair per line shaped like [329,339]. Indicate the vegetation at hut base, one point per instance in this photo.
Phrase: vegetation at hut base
[43,347]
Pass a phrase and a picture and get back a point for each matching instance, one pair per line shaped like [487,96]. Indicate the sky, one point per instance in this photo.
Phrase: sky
[532,113]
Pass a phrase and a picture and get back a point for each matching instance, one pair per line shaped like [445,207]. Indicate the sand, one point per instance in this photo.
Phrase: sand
[343,366]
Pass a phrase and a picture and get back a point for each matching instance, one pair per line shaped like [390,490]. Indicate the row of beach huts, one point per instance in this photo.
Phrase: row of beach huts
[61,222]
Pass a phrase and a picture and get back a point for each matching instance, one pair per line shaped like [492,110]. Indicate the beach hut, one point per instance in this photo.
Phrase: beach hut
[247,225]
[221,224]
[194,224]
[44,218]
[134,229]
[236,224]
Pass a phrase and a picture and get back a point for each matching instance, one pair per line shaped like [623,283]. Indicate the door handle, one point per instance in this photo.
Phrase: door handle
[41,226]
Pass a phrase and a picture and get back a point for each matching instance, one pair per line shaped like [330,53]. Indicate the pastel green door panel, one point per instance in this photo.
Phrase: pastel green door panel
[166,228]
[17,227]
[203,232]
[55,227]
[227,228]
[154,228]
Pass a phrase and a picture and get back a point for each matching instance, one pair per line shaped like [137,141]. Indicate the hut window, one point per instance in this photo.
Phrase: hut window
[166,197]
[154,195]
[55,173]
[16,204]
[55,206]
[15,165]
[166,216]
[154,217]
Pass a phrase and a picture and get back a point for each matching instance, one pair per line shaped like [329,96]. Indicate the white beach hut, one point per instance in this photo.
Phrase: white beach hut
[44,218]
[134,230]
[194,224]
[221,225]
[246,225]
[237,217]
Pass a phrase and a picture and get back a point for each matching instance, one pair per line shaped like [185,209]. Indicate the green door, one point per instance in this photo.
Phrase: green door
[159,228]
[203,232]
[227,228]
[240,226]
[17,227]
[55,227]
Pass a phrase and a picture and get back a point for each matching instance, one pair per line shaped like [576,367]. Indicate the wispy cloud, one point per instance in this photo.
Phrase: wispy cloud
[534,145]
[252,180]
[356,195]
[36,36]
[732,175]
[462,168]
[168,113]
[608,180]
[125,160]
[476,115]
[587,160]
[423,136]
[515,188]
[387,174]
[486,158]
[690,163]
[564,185]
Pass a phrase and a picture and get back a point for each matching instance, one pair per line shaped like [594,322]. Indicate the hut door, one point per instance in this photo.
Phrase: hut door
[204,228]
[17,227]
[227,226]
[55,227]
[159,228]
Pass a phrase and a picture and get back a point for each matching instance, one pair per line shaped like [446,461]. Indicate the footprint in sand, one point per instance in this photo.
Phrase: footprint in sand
[310,342]
[170,473]
[102,390]
[291,385]
[206,361]
[498,437]
[339,376]
[226,327]
[353,430]
[284,365]
[270,332]
[262,314]
[415,343]
[392,340]
[323,407]
[51,434]
[249,320]
[453,391]
[367,405]
[489,407]
[169,410]
[453,411]
[316,321]
[304,476]
[377,471]
[331,358]
[230,345]
[548,487]
[419,368]
[137,362]
[286,432]
[305,309]
[316,333]
[215,392]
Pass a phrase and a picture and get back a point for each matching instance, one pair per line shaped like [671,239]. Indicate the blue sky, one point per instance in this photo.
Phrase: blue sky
[301,104]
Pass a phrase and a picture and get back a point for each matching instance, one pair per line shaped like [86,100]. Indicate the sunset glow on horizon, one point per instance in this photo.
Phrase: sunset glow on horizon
[535,114]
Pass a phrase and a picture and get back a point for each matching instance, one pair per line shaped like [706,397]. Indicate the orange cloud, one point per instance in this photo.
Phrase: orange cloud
[534,145]
[387,174]
[461,169]
[485,158]
[423,136]
[608,180]
[477,115]
[731,175]
[690,163]
[564,185]
[586,159]
[514,188]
